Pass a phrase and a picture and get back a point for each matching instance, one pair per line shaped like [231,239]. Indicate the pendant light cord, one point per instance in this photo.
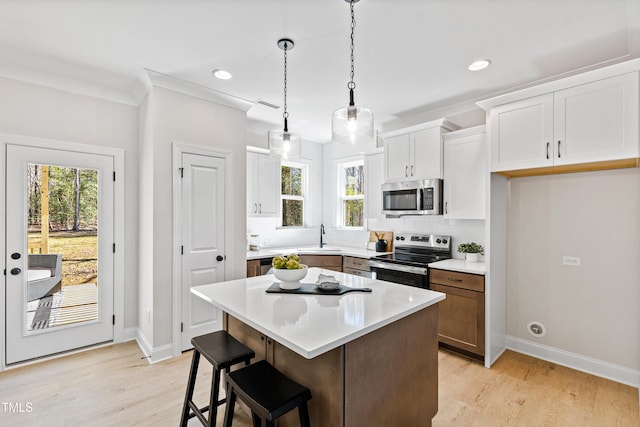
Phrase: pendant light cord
[352,84]
[285,114]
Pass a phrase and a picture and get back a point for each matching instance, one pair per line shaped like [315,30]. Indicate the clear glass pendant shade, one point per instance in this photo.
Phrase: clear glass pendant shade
[287,145]
[352,125]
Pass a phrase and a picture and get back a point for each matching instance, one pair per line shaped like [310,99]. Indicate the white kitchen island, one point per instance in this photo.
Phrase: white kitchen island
[369,358]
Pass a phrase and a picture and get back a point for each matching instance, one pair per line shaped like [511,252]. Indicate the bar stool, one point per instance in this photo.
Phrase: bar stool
[267,392]
[222,351]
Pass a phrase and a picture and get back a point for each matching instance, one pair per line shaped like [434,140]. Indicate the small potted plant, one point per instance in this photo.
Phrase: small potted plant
[471,251]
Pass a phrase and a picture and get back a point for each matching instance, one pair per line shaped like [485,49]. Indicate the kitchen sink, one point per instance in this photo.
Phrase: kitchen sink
[308,250]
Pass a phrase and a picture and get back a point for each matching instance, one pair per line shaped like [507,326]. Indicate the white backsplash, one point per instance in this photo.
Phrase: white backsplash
[461,231]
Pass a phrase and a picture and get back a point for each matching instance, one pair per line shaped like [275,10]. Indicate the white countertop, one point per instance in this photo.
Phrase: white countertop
[313,250]
[460,265]
[314,324]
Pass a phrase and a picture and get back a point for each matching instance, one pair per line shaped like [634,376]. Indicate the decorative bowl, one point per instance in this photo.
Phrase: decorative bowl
[290,279]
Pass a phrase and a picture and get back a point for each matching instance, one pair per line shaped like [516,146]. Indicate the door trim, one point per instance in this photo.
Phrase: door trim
[118,224]
[178,150]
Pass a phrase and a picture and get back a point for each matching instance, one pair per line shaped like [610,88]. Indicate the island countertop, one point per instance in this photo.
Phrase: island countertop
[311,325]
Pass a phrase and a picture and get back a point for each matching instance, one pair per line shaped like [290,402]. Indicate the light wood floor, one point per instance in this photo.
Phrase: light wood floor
[114,386]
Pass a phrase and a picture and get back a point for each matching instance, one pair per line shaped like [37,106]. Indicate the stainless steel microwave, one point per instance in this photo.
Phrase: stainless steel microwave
[422,197]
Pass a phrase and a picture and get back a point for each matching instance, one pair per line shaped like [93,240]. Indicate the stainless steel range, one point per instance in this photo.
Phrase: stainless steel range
[408,263]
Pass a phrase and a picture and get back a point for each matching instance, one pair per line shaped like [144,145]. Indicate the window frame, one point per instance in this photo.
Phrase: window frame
[303,197]
[342,197]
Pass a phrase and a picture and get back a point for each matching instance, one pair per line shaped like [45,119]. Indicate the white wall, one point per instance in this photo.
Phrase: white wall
[592,310]
[38,111]
[175,117]
[460,230]
[267,228]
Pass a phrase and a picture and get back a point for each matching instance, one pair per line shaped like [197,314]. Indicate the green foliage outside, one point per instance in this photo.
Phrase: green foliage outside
[291,185]
[353,209]
[73,198]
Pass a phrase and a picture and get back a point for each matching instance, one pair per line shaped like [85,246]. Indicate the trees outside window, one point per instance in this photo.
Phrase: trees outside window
[351,193]
[292,194]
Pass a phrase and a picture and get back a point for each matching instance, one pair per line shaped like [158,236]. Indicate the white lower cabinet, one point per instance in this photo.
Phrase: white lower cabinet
[465,174]
[263,185]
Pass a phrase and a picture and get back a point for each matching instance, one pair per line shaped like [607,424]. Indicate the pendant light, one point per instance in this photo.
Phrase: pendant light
[285,144]
[351,124]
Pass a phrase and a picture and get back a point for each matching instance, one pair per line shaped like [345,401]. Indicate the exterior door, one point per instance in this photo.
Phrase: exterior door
[59,246]
[203,233]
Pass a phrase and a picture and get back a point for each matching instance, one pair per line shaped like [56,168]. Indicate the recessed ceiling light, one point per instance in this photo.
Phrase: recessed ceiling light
[480,64]
[222,74]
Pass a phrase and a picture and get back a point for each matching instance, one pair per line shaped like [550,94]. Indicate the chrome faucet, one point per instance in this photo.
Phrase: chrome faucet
[321,233]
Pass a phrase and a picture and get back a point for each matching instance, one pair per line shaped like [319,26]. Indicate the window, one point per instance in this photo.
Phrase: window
[351,193]
[292,194]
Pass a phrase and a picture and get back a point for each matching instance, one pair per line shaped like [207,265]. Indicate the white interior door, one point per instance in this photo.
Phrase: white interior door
[47,310]
[203,233]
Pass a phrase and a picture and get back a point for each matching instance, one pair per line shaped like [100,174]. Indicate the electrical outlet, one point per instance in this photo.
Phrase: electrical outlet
[573,261]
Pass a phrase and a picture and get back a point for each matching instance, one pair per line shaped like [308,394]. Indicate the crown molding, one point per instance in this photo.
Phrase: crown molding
[149,79]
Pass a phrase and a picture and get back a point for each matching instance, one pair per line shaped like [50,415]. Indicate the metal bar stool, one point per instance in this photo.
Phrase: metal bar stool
[267,392]
[222,351]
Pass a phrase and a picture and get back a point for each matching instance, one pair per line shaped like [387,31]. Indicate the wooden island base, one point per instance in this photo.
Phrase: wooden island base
[387,377]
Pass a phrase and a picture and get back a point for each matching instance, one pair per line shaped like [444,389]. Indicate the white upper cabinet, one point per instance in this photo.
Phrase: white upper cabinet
[263,185]
[415,153]
[373,167]
[595,121]
[465,174]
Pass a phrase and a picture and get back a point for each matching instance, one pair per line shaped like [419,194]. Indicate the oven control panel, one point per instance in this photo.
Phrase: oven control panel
[423,240]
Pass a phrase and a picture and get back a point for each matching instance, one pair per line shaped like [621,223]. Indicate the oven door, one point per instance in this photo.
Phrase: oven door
[398,273]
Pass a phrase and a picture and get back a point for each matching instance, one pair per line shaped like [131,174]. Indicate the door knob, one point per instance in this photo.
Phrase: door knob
[15,255]
[219,258]
[16,271]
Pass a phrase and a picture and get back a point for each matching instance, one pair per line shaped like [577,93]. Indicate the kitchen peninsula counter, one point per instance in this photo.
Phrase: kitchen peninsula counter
[368,358]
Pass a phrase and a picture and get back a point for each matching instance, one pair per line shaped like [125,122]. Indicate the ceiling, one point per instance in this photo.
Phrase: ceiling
[411,56]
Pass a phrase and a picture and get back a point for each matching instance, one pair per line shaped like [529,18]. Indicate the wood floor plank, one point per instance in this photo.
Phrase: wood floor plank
[115,386]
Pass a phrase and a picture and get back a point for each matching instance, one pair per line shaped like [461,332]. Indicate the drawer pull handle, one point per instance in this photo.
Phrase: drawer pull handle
[454,280]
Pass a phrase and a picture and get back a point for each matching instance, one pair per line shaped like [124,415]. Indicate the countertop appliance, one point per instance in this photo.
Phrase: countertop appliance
[407,265]
[422,197]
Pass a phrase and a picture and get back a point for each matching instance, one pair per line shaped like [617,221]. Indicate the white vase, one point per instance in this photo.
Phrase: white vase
[471,257]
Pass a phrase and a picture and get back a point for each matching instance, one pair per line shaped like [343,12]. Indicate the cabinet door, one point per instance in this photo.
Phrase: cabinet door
[522,134]
[253,267]
[597,121]
[250,337]
[465,174]
[426,154]
[268,185]
[252,202]
[396,155]
[373,172]
[461,319]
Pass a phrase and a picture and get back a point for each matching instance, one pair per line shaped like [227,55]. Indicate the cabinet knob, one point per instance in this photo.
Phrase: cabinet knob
[548,144]
[255,208]
[411,170]
[406,171]
[259,207]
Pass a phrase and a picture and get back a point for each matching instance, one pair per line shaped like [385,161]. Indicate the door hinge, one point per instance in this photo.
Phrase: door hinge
[114,176]
[181,172]
[181,327]
[114,319]
[114,248]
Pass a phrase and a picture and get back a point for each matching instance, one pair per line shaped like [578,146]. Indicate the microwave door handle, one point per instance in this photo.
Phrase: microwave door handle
[419,199]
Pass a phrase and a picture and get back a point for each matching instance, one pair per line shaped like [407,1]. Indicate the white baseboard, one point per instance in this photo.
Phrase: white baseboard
[153,354]
[130,334]
[576,361]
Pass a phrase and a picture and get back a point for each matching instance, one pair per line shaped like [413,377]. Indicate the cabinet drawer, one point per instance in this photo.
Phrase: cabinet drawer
[472,282]
[355,262]
[322,261]
[356,272]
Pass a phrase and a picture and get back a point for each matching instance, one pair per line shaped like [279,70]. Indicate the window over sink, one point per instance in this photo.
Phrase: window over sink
[351,194]
[293,177]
